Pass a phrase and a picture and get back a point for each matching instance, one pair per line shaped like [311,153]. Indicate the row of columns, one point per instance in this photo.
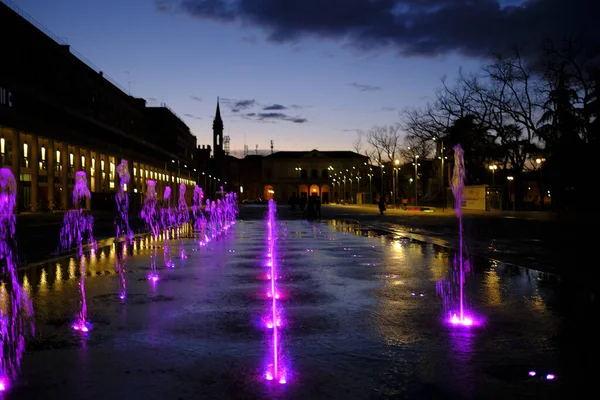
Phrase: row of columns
[101,164]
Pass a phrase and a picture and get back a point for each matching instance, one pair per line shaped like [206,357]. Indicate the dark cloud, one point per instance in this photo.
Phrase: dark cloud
[191,116]
[274,107]
[413,27]
[196,98]
[388,109]
[281,117]
[151,99]
[365,88]
[238,105]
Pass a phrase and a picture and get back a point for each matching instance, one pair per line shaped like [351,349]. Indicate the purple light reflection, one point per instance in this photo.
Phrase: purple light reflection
[273,320]
[16,320]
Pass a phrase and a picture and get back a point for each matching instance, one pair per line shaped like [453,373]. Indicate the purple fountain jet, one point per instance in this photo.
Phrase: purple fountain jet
[16,320]
[78,228]
[124,232]
[453,291]
[183,218]
[152,219]
[167,222]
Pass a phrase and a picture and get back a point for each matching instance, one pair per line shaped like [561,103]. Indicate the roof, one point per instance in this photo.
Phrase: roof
[322,153]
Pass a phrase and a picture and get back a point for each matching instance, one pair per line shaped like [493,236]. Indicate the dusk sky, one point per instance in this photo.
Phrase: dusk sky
[303,73]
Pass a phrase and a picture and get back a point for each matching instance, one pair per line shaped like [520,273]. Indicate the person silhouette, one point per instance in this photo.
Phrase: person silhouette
[381,204]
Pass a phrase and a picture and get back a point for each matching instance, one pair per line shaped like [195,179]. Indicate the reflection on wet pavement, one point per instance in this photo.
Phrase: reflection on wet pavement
[363,321]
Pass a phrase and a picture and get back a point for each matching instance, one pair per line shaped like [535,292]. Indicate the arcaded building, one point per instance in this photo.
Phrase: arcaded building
[59,115]
[331,175]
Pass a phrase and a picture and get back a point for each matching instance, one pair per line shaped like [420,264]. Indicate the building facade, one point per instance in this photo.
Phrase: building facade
[58,115]
[330,175]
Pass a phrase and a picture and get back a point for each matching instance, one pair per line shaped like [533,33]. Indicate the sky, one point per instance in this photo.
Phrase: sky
[303,73]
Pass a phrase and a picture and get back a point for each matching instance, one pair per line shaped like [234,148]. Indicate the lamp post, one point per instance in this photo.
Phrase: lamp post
[298,169]
[493,168]
[416,180]
[351,198]
[381,177]
[539,162]
[396,169]
[370,188]
[370,175]
[442,157]
[510,183]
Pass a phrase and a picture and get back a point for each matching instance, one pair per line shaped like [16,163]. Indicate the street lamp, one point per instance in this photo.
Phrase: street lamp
[381,178]
[539,162]
[416,180]
[351,198]
[493,168]
[396,169]
[510,181]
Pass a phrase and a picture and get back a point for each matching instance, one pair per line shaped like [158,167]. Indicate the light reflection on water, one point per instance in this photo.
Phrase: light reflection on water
[409,274]
[60,277]
[385,300]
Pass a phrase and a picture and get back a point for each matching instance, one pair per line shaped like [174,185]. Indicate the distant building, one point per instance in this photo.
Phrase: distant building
[58,115]
[331,175]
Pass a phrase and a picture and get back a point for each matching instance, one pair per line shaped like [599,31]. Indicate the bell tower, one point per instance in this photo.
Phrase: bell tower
[218,135]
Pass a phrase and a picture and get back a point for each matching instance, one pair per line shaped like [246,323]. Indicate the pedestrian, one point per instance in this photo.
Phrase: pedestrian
[381,204]
[318,206]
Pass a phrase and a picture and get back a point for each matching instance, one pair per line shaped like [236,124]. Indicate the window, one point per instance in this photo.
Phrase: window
[25,162]
[325,174]
[43,159]
[314,174]
[303,174]
[58,166]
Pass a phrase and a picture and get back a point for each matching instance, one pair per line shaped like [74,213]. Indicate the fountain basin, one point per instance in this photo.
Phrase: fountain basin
[356,325]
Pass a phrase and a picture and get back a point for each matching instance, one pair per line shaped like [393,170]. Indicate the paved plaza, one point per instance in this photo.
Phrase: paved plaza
[361,319]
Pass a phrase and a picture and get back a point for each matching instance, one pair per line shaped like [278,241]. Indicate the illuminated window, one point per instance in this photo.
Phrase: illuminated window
[42,163]
[71,159]
[134,171]
[25,158]
[2,144]
[83,162]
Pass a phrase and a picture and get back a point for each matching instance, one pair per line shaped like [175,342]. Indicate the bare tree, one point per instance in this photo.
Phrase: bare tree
[385,142]
[357,144]
[511,99]
[451,104]
[415,146]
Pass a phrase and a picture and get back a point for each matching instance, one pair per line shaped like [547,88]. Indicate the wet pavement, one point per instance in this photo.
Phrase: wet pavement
[361,320]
